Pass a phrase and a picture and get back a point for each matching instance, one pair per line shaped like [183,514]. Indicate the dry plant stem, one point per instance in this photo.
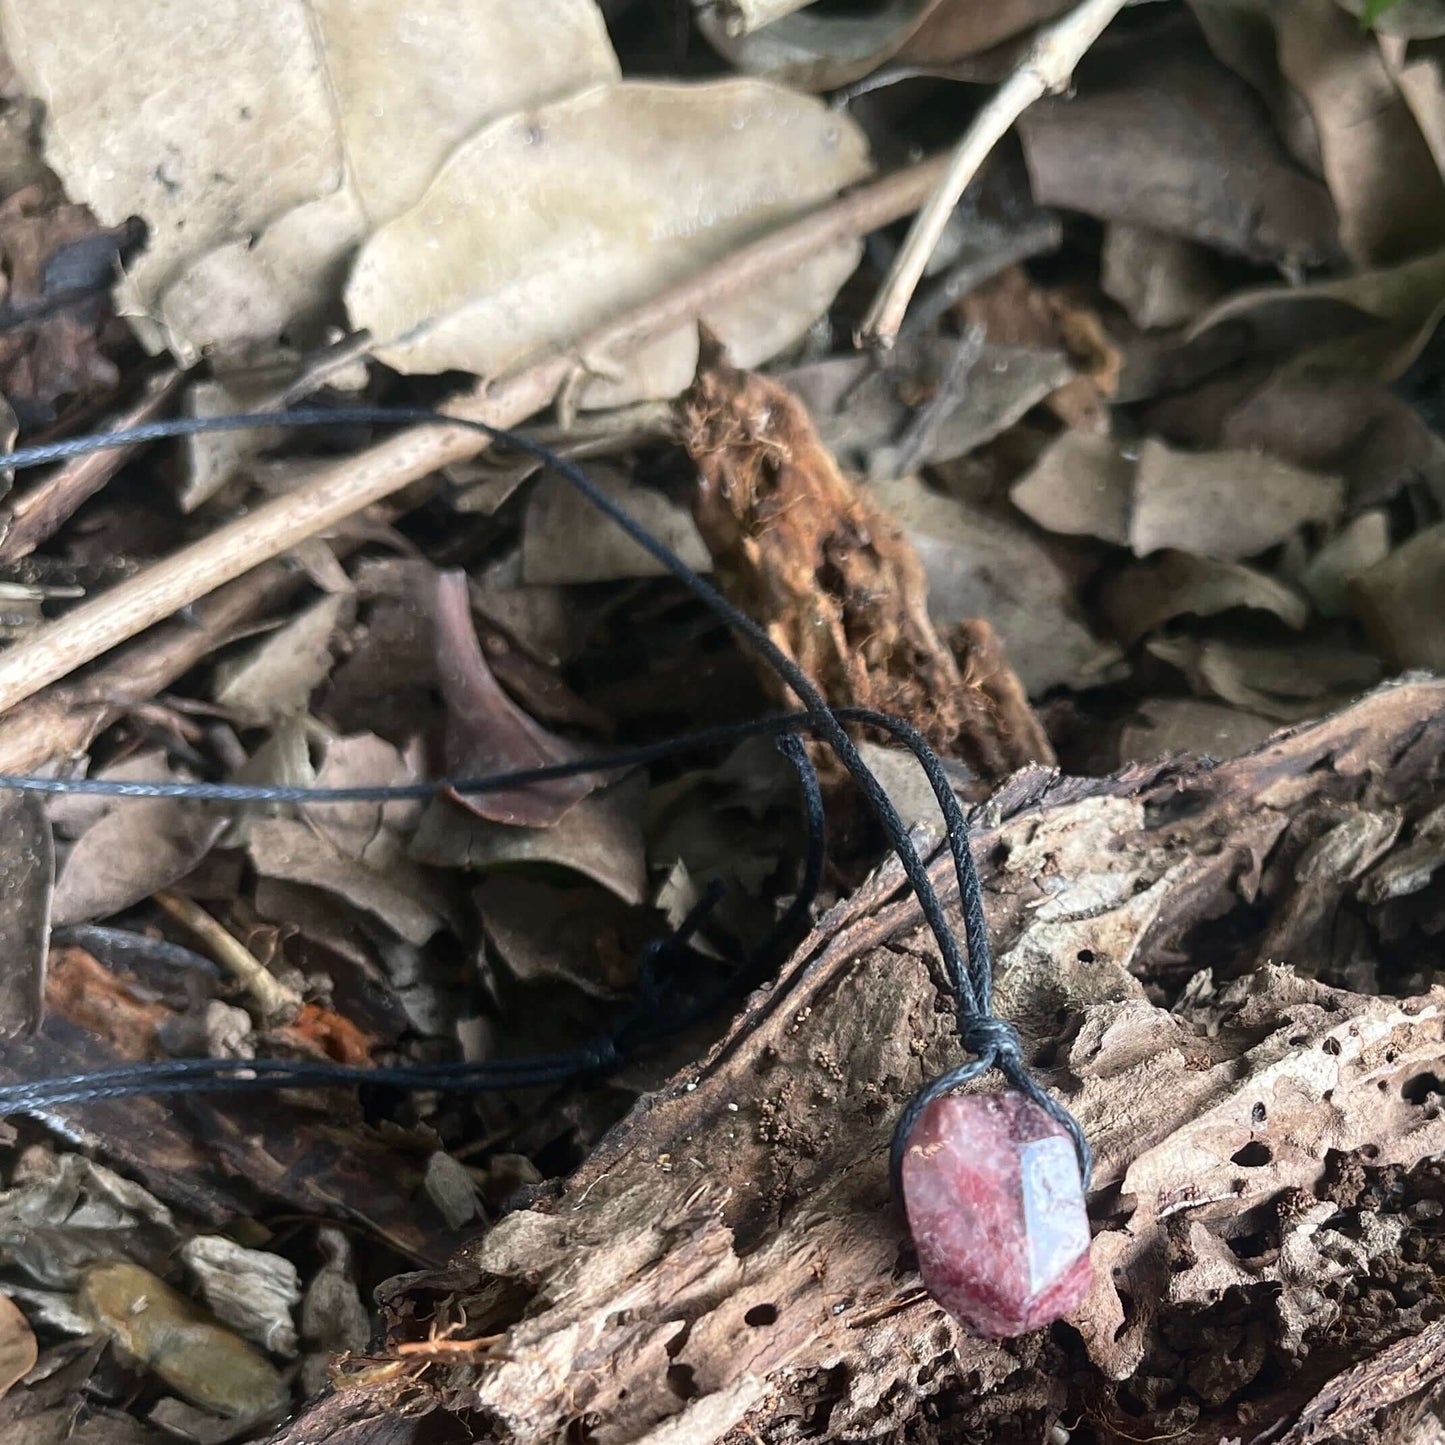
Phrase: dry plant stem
[44,507]
[54,651]
[274,999]
[1047,67]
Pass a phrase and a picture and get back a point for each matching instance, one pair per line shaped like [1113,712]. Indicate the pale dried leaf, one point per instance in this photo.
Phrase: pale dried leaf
[18,1350]
[277,676]
[452,1189]
[1400,601]
[331,1317]
[1359,545]
[1082,486]
[27,883]
[817,50]
[1183,725]
[958,29]
[1140,598]
[308,124]
[550,222]
[1419,72]
[1227,505]
[398,894]
[980,565]
[251,1290]
[566,540]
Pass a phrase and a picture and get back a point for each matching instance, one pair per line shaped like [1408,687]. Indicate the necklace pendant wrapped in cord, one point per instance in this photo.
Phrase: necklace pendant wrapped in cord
[995,1202]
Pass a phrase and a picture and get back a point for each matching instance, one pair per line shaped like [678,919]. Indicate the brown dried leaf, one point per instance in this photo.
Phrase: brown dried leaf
[1159,280]
[164,1331]
[1386,187]
[819,563]
[27,883]
[487,732]
[1173,141]
[1226,505]
[1298,680]
[140,847]
[1140,598]
[554,220]
[1360,545]
[863,409]
[957,29]
[1417,70]
[18,1350]
[1400,601]
[599,837]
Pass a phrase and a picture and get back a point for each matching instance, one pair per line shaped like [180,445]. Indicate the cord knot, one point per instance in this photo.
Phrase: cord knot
[992,1039]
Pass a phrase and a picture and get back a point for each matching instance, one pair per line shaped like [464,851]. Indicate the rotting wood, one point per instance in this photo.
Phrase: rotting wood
[728,1259]
[810,555]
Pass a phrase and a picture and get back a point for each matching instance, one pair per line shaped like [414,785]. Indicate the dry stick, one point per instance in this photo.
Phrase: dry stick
[57,649]
[1048,66]
[41,510]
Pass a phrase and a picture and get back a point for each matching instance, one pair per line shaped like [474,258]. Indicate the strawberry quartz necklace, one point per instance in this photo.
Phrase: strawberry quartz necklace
[992,1184]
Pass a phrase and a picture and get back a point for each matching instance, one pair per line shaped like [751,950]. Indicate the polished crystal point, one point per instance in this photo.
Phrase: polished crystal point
[995,1203]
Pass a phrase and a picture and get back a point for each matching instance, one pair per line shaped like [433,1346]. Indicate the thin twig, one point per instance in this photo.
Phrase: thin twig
[58,648]
[274,999]
[39,511]
[1047,67]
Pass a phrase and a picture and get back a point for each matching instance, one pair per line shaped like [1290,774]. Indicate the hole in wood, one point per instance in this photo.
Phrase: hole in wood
[1419,1089]
[1253,1155]
[761,1315]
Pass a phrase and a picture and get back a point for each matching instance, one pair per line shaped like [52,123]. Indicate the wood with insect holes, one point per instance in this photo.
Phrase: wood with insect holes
[55,650]
[1047,66]
[729,1261]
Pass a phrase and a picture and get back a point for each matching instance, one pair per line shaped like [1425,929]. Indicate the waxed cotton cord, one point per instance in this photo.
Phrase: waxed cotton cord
[994,1042]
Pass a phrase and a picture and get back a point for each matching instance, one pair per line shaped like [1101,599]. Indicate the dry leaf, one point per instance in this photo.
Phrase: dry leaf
[600,838]
[1159,280]
[1360,545]
[1409,19]
[1417,71]
[27,881]
[18,1350]
[487,732]
[1224,504]
[1172,141]
[1082,486]
[1140,598]
[1371,324]
[276,677]
[565,539]
[1385,184]
[112,1006]
[981,565]
[251,1290]
[643,184]
[957,29]
[1299,680]
[816,560]
[866,411]
[308,125]
[816,49]
[1183,725]
[165,1332]
[140,847]
[1401,601]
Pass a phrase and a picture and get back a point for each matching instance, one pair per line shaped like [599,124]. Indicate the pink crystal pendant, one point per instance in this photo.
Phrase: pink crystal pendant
[994,1200]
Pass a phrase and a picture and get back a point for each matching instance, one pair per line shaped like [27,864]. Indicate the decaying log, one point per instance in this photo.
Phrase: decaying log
[1269,1215]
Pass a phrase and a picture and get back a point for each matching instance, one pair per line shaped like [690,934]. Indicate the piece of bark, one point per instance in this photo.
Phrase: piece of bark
[832,578]
[728,1263]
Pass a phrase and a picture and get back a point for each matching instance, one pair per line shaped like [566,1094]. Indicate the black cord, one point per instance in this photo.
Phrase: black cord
[995,1043]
